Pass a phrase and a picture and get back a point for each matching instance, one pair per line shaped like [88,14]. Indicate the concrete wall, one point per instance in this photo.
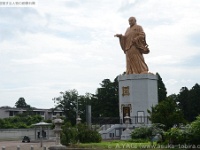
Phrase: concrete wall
[18,134]
[3,113]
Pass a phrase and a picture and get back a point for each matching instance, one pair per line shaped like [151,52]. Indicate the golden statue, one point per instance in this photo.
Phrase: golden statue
[134,45]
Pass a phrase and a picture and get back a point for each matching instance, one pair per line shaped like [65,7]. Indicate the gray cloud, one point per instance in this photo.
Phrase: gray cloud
[17,21]
[194,39]
[127,6]
[62,45]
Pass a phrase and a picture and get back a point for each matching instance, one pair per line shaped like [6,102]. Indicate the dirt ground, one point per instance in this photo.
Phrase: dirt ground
[12,145]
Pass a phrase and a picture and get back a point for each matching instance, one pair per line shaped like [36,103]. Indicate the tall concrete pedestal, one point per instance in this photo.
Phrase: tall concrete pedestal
[137,93]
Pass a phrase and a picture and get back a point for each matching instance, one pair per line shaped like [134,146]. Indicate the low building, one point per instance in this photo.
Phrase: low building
[6,111]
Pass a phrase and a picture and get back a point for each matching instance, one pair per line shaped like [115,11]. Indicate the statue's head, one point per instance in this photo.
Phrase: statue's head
[132,21]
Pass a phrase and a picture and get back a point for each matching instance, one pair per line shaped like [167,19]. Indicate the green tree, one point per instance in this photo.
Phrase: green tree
[162,91]
[194,102]
[173,97]
[72,103]
[21,103]
[189,102]
[67,101]
[105,103]
[184,102]
[83,101]
[167,113]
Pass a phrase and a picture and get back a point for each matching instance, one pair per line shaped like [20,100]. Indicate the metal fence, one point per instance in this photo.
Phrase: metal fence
[105,120]
[116,120]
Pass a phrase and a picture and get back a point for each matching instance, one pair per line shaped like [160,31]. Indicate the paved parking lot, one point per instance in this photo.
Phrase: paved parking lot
[12,145]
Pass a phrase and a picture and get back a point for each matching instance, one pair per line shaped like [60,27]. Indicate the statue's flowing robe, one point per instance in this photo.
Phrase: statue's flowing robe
[134,45]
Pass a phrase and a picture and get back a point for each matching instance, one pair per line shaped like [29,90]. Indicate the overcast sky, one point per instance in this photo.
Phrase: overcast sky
[60,45]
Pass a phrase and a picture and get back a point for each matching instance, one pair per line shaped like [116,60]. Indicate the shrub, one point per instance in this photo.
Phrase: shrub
[79,133]
[86,135]
[189,134]
[194,131]
[69,134]
[175,136]
[89,136]
[147,132]
[142,132]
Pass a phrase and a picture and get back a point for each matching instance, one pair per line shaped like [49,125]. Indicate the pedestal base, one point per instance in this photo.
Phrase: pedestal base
[137,93]
[126,135]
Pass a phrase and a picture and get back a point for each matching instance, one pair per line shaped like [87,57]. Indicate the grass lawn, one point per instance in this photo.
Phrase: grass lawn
[117,144]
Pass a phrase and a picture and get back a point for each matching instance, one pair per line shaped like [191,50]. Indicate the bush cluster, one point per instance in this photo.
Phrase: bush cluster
[147,132]
[19,121]
[189,134]
[80,133]
[142,132]
[176,136]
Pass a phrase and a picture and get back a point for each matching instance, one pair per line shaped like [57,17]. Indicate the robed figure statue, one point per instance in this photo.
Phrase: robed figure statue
[134,45]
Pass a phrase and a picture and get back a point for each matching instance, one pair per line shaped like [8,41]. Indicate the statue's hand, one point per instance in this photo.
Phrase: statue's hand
[118,35]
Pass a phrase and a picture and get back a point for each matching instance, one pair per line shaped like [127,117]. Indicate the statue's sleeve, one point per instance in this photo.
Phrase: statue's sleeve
[122,42]
[141,41]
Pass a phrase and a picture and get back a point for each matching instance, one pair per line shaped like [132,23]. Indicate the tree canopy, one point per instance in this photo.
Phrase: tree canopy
[21,103]
[189,102]
[105,103]
[167,113]
[19,121]
[67,102]
[162,91]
